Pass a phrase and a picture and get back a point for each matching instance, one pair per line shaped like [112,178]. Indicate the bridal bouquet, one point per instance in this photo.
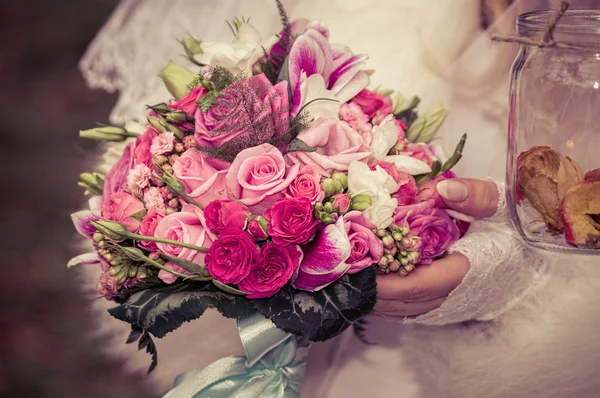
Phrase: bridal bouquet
[273,182]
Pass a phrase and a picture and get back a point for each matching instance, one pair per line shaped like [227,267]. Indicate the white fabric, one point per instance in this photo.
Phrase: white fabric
[411,45]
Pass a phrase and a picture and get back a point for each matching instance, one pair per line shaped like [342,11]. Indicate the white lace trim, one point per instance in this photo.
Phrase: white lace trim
[503,270]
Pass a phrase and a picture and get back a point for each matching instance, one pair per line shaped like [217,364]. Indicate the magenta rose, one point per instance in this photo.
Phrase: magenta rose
[259,176]
[275,268]
[433,225]
[232,256]
[307,184]
[366,248]
[186,226]
[291,221]
[221,214]
[249,109]
[188,103]
[373,103]
[336,146]
[116,178]
[142,147]
[148,226]
[202,176]
[122,207]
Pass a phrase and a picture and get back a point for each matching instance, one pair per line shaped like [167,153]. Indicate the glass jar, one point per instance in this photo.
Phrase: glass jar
[553,166]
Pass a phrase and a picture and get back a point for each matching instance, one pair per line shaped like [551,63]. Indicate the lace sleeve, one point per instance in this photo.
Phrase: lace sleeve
[503,270]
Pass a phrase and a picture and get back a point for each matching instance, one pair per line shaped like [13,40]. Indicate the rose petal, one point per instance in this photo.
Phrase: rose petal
[324,258]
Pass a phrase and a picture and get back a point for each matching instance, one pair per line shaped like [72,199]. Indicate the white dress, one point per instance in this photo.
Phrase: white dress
[537,337]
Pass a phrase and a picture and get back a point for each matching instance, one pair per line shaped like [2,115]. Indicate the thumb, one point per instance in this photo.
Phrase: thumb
[477,198]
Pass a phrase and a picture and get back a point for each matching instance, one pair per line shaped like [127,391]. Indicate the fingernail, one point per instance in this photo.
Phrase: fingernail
[453,190]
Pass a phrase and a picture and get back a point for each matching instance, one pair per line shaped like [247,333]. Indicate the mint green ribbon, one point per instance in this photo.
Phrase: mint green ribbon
[268,370]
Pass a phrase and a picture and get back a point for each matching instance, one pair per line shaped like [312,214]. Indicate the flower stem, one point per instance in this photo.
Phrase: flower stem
[167,241]
[179,274]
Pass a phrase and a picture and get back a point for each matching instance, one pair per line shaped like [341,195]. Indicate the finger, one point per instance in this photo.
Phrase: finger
[478,198]
[396,308]
[426,282]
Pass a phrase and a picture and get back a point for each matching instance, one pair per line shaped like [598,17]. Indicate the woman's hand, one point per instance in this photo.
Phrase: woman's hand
[426,288]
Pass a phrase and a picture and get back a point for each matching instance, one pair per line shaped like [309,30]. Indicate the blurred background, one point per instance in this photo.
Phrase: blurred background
[47,344]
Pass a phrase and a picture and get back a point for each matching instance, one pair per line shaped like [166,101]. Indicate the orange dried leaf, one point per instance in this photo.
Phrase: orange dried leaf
[581,214]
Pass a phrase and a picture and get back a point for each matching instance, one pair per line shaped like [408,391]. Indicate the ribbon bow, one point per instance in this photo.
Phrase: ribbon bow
[267,370]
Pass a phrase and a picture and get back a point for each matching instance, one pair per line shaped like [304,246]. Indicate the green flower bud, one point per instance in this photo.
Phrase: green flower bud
[397,236]
[174,184]
[192,46]
[319,206]
[93,182]
[158,123]
[341,178]
[97,237]
[177,79]
[388,241]
[404,261]
[176,116]
[111,229]
[426,126]
[403,253]
[328,207]
[114,270]
[383,261]
[331,187]
[361,202]
[160,160]
[381,233]
[134,253]
[401,103]
[106,133]
[409,267]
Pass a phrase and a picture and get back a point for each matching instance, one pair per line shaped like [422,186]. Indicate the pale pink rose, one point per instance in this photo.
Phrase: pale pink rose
[336,144]
[163,143]
[153,199]
[148,226]
[188,103]
[307,184]
[186,226]
[366,249]
[120,207]
[116,178]
[259,176]
[341,203]
[202,176]
[138,178]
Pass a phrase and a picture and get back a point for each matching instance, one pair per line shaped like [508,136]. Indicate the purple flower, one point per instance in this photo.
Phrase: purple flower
[433,226]
[325,258]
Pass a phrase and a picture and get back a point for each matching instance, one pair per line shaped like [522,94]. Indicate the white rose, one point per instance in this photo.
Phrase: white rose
[377,184]
[385,136]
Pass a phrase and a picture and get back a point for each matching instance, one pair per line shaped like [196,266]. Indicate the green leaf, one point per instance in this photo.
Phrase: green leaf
[319,316]
[436,167]
[456,156]
[298,145]
[187,265]
[164,308]
[228,289]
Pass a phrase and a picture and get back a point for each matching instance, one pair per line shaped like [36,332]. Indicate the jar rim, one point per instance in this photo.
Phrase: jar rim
[573,21]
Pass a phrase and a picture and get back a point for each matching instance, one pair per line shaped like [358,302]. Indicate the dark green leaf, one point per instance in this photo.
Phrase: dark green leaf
[164,308]
[456,156]
[298,145]
[322,315]
[436,167]
[134,335]
[144,342]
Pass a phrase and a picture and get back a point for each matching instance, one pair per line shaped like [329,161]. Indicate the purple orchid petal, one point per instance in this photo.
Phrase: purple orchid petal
[320,26]
[86,258]
[344,73]
[358,83]
[81,220]
[324,258]
[310,54]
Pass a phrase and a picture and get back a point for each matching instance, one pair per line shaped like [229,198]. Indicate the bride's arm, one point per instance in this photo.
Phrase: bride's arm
[487,272]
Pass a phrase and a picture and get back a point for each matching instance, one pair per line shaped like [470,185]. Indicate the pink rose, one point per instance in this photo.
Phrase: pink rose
[336,144]
[188,103]
[221,214]
[373,103]
[275,268]
[121,207]
[163,143]
[148,226]
[249,109]
[142,147]
[419,151]
[407,193]
[258,177]
[186,226]
[232,256]
[428,190]
[116,178]
[307,184]
[291,221]
[202,176]
[341,203]
[366,248]
[434,226]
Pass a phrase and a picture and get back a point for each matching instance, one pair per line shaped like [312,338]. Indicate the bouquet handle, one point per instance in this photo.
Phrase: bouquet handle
[269,369]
